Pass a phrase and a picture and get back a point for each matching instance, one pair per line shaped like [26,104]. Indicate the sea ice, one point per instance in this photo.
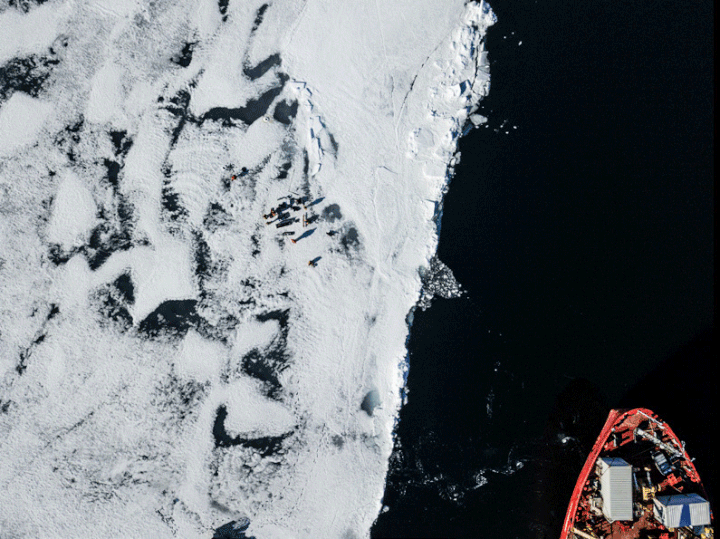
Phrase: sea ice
[174,358]
[21,120]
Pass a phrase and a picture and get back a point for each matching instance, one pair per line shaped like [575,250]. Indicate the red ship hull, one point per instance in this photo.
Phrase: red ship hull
[623,429]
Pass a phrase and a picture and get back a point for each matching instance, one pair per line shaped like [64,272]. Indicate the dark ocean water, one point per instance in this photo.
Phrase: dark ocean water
[580,223]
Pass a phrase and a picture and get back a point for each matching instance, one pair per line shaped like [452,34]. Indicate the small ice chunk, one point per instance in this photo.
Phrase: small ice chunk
[478,119]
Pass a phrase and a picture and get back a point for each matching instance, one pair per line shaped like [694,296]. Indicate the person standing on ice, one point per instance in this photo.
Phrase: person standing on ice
[243,172]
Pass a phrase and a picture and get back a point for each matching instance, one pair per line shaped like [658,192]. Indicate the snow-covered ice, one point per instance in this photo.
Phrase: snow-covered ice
[21,120]
[169,361]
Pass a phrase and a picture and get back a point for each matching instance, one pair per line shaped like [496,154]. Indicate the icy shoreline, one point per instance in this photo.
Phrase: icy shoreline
[170,362]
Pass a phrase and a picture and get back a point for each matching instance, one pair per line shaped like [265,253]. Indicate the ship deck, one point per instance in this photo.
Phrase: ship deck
[622,438]
[617,530]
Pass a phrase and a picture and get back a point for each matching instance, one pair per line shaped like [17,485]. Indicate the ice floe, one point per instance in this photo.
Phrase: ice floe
[214,223]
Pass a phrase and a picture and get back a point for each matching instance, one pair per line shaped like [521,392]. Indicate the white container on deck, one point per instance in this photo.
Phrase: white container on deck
[616,488]
[678,510]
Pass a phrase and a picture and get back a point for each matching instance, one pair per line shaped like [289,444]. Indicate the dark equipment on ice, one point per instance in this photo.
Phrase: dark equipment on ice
[286,222]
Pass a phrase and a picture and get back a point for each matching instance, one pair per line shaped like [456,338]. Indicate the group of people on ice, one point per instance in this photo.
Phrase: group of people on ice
[283,216]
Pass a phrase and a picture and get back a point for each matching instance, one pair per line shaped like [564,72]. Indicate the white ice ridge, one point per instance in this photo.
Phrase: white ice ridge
[169,361]
[316,134]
